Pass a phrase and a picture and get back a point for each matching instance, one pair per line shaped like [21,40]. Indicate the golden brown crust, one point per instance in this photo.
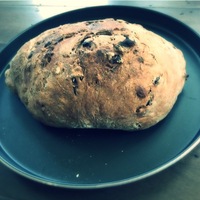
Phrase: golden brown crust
[101,74]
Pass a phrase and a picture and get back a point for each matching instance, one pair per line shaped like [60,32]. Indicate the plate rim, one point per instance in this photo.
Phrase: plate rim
[161,168]
[32,176]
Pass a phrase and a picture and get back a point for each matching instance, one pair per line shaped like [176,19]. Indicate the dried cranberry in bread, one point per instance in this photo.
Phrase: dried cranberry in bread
[98,74]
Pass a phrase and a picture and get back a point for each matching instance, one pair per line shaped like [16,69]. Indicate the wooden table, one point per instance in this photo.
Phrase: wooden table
[180,182]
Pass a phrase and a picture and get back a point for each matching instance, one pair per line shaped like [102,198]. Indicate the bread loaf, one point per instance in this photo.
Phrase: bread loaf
[98,74]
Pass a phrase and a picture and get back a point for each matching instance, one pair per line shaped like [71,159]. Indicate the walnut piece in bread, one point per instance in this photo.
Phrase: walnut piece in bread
[98,74]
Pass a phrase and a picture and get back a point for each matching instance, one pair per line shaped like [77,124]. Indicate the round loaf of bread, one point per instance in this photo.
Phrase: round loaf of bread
[98,74]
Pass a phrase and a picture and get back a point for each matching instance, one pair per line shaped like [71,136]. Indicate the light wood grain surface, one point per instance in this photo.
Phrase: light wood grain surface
[179,182]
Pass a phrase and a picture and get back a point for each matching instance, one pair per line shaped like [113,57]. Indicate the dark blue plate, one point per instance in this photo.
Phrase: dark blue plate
[75,158]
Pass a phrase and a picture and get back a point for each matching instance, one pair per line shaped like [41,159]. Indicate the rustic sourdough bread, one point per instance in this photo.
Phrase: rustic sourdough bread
[98,74]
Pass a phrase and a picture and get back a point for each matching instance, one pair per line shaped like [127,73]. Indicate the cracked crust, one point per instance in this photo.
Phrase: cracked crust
[98,74]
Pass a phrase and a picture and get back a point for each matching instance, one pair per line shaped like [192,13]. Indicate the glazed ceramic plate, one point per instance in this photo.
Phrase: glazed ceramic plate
[75,158]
